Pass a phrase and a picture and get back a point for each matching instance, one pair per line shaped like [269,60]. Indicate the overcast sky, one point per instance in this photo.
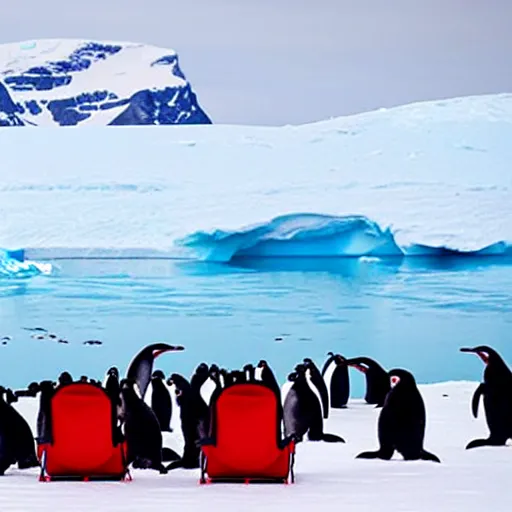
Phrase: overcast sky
[293,61]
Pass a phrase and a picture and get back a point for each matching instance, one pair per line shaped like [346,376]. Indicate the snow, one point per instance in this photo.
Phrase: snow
[427,177]
[328,477]
[48,78]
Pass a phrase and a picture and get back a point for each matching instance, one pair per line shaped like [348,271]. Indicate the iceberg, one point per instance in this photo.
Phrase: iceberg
[312,235]
[14,265]
[68,82]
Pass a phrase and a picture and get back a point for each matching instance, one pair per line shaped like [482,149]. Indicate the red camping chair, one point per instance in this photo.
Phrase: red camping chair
[245,443]
[82,445]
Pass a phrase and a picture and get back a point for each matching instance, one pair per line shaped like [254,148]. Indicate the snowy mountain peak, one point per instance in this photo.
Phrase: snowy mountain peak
[68,82]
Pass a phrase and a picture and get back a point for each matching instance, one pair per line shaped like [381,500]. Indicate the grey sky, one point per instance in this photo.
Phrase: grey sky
[293,61]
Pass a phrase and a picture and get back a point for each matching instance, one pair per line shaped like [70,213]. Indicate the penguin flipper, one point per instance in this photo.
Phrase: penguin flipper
[479,391]
[332,438]
[429,456]
[168,454]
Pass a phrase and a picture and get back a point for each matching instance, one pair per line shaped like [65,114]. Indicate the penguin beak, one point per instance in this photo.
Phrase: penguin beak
[394,380]
[354,363]
[482,355]
[173,348]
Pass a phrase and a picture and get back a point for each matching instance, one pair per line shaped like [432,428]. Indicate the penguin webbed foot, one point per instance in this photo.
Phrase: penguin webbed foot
[429,456]
[28,462]
[161,469]
[332,438]
[477,443]
[379,454]
[184,464]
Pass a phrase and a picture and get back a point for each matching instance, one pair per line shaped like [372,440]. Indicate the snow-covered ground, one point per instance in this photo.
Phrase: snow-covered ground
[437,174]
[327,475]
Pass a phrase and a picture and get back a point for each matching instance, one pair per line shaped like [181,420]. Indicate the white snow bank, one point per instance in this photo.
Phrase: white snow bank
[437,174]
[328,476]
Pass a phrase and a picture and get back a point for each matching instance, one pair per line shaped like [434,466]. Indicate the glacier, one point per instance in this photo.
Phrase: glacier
[71,82]
[430,178]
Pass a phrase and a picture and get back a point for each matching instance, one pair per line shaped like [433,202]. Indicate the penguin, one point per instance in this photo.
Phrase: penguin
[46,389]
[496,390]
[195,421]
[111,382]
[65,378]
[113,390]
[161,401]
[402,421]
[237,376]
[141,429]
[319,383]
[268,377]
[249,373]
[200,378]
[212,385]
[377,379]
[16,438]
[302,410]
[336,377]
[141,366]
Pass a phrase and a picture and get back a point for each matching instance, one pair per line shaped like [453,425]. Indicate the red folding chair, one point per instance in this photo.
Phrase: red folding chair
[245,443]
[82,444]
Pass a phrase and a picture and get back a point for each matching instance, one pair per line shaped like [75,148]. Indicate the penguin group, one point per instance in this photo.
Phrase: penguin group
[143,406]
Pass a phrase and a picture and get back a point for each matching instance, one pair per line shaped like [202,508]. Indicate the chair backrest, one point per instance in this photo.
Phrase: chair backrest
[247,415]
[82,424]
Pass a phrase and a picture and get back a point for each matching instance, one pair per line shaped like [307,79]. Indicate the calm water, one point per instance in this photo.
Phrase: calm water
[414,315]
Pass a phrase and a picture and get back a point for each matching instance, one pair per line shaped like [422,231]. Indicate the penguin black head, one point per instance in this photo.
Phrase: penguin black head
[203,369]
[180,382]
[485,353]
[113,372]
[158,374]
[237,376]
[401,378]
[292,377]
[65,378]
[34,388]
[46,387]
[262,364]
[340,360]
[11,396]
[363,364]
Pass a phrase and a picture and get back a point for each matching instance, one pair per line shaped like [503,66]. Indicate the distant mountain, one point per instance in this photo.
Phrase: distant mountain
[67,82]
